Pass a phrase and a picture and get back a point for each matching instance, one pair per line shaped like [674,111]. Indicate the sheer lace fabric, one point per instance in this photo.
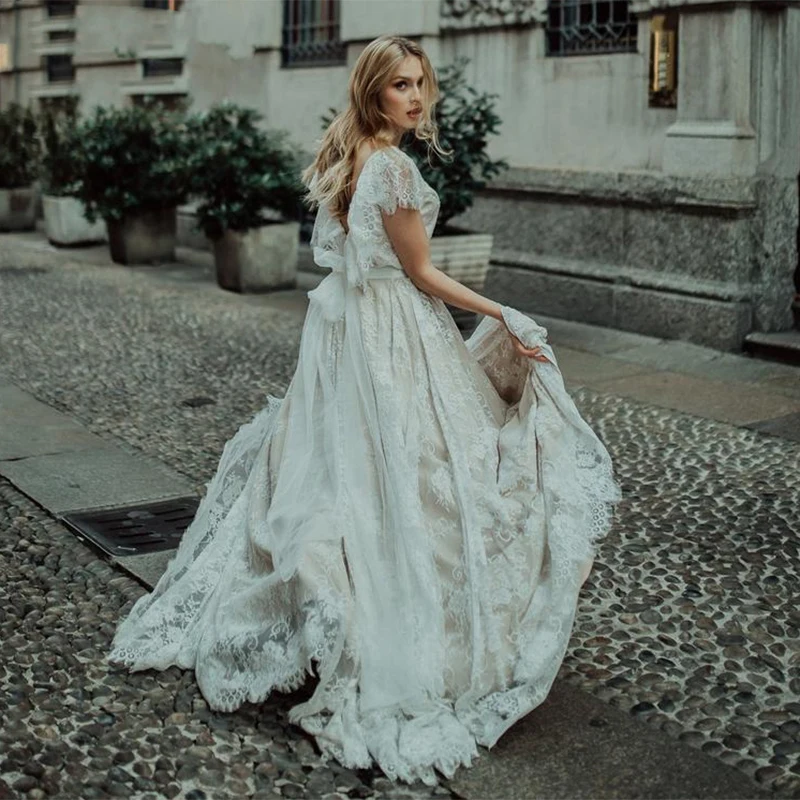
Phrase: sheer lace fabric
[414,518]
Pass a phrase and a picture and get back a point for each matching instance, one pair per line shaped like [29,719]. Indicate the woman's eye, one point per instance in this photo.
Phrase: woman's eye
[401,85]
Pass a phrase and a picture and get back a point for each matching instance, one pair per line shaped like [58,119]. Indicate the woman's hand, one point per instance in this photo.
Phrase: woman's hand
[531,352]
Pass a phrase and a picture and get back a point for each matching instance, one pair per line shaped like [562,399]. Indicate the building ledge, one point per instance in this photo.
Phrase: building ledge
[53,26]
[54,49]
[177,85]
[652,189]
[65,89]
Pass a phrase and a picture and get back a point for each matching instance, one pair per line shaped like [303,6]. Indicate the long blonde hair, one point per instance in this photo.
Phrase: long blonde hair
[363,119]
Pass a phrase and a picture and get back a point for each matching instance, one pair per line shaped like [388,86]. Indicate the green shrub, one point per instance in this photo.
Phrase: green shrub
[238,170]
[19,147]
[466,118]
[61,152]
[134,159]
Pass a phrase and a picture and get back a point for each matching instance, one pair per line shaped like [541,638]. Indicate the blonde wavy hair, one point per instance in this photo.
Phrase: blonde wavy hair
[364,120]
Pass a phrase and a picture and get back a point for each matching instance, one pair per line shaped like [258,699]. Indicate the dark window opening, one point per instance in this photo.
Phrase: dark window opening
[59,68]
[311,33]
[161,67]
[61,36]
[581,27]
[163,5]
[61,8]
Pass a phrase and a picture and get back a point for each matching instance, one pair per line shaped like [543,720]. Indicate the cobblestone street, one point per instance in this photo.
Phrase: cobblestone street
[690,620]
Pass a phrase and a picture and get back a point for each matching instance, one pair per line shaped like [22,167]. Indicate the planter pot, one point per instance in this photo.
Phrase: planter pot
[144,238]
[65,223]
[258,260]
[465,258]
[18,209]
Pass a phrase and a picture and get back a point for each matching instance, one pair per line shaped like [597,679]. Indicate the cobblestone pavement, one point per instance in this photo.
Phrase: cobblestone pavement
[690,619]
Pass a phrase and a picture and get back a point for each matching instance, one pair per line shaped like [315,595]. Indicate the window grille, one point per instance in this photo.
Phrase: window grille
[580,27]
[60,68]
[161,67]
[61,8]
[311,33]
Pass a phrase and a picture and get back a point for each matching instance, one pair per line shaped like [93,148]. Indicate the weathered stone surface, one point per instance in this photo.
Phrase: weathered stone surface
[694,241]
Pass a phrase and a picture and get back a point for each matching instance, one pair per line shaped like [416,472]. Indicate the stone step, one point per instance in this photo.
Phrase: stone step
[781,346]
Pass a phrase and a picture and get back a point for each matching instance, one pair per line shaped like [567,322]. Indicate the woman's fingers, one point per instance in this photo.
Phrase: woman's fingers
[530,352]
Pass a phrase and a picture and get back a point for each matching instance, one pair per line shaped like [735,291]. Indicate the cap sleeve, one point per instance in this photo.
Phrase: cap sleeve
[397,181]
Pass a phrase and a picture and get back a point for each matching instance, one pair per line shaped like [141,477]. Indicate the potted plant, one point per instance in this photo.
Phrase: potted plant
[134,174]
[247,183]
[64,215]
[466,119]
[19,162]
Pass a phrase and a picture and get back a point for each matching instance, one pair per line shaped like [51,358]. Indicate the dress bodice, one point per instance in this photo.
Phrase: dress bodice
[389,180]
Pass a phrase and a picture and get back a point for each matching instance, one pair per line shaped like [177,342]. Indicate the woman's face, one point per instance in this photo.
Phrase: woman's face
[402,98]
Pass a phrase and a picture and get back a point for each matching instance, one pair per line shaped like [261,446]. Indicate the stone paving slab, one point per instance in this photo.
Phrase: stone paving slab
[787,427]
[737,404]
[704,362]
[147,567]
[589,369]
[591,338]
[575,746]
[96,478]
[30,428]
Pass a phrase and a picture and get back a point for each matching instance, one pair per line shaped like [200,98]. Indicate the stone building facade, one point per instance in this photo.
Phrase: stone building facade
[654,144]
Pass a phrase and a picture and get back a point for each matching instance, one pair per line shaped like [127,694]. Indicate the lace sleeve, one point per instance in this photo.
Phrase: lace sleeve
[397,182]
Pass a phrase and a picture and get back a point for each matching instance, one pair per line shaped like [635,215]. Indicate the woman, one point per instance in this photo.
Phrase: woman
[414,520]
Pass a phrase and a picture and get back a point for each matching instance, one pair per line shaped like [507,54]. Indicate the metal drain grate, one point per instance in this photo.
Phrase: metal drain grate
[133,530]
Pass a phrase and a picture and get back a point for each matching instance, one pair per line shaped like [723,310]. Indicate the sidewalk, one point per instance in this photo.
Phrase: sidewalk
[99,361]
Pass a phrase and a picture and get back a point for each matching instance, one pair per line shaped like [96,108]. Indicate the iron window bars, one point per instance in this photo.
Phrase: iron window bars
[311,33]
[580,27]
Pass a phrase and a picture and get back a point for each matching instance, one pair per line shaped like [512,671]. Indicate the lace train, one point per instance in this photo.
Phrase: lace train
[413,521]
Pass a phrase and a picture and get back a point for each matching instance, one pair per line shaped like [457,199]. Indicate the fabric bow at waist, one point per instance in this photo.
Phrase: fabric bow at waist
[331,293]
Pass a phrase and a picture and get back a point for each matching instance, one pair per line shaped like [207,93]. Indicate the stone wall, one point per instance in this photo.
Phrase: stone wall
[702,259]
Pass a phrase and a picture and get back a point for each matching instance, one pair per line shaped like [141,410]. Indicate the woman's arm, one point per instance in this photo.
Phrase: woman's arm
[406,232]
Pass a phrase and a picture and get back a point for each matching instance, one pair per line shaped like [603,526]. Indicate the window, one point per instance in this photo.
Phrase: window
[164,5]
[311,33]
[59,68]
[580,27]
[60,8]
[61,36]
[161,67]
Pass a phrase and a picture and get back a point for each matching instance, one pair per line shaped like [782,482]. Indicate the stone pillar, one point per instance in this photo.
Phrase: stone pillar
[713,132]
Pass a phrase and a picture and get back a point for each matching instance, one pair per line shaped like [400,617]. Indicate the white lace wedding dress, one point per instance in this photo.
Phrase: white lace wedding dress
[415,516]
